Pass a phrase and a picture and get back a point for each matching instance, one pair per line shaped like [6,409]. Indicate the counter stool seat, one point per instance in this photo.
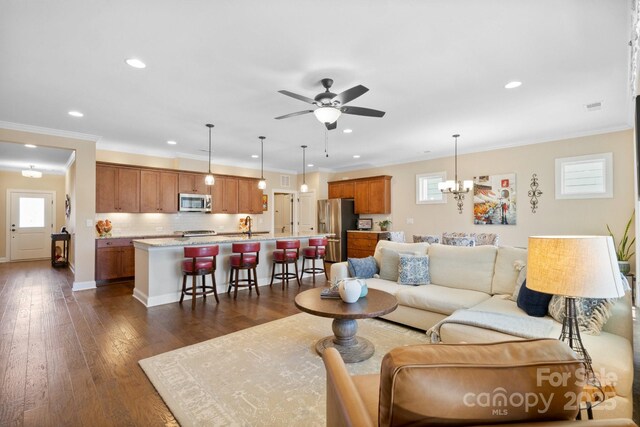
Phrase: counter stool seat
[314,252]
[245,256]
[287,252]
[200,261]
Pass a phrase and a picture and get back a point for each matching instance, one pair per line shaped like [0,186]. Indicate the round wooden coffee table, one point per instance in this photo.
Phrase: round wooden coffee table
[344,326]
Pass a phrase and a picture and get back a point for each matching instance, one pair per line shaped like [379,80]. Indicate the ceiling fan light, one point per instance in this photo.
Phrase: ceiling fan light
[209,179]
[262,184]
[327,114]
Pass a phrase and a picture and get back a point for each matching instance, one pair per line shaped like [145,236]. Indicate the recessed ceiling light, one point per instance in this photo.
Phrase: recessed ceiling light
[135,63]
[254,156]
[356,156]
[76,114]
[171,142]
[30,145]
[310,165]
[347,131]
[513,85]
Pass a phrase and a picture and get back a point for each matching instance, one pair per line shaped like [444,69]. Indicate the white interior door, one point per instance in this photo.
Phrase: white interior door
[283,216]
[30,225]
[307,212]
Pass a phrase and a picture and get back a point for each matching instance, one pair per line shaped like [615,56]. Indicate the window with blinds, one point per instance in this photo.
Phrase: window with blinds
[585,177]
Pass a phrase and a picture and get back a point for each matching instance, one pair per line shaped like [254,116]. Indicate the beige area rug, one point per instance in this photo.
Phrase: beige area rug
[268,375]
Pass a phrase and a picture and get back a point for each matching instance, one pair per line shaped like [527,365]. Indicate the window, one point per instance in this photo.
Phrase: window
[31,212]
[585,177]
[427,188]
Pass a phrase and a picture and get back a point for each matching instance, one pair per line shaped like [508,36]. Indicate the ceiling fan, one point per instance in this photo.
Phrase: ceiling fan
[331,105]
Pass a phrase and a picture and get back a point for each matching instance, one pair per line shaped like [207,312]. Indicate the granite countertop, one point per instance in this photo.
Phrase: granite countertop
[366,231]
[203,240]
[158,235]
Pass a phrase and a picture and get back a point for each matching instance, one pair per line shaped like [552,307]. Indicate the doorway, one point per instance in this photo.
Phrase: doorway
[31,218]
[283,213]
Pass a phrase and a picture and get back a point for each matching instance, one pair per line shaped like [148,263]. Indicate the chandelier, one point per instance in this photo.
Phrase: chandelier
[455,187]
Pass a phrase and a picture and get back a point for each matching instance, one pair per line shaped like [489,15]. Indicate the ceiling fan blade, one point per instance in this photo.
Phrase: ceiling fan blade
[350,94]
[296,96]
[331,126]
[298,113]
[360,111]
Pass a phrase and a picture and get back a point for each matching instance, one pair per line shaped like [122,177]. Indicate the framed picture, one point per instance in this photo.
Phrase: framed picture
[365,224]
[494,199]
[265,202]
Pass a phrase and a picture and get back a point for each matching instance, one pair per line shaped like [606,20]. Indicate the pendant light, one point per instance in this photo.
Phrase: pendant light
[209,179]
[262,184]
[455,187]
[31,173]
[304,187]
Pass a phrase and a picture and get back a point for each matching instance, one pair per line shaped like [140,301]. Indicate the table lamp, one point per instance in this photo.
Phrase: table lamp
[574,266]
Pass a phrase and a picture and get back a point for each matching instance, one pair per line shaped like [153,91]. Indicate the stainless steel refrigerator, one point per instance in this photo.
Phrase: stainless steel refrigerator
[336,216]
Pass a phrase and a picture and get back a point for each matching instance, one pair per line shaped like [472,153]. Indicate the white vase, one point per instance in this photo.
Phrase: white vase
[350,290]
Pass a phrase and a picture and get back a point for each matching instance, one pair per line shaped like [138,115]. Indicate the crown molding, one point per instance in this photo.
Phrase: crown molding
[49,131]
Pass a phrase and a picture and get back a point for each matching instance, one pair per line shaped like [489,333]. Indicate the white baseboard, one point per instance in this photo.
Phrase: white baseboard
[83,286]
[4,259]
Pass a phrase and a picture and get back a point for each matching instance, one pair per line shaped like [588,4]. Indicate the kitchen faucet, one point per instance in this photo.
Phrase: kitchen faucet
[248,222]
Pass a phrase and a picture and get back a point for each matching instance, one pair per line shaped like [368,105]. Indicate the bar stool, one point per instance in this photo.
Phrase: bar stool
[287,252]
[315,251]
[200,262]
[246,256]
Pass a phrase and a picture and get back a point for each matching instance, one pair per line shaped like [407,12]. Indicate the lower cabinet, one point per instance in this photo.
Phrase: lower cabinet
[115,260]
[361,244]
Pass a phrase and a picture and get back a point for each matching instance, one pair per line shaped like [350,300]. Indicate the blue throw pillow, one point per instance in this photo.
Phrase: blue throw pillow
[533,303]
[363,268]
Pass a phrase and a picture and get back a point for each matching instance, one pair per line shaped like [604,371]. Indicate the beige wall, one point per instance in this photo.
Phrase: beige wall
[588,216]
[85,200]
[15,181]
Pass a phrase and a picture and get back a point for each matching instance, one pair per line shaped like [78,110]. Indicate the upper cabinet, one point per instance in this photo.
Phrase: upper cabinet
[159,191]
[192,183]
[372,195]
[225,195]
[117,189]
[249,196]
[342,190]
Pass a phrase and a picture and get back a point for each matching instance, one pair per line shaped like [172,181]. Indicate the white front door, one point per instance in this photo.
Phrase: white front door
[307,212]
[30,225]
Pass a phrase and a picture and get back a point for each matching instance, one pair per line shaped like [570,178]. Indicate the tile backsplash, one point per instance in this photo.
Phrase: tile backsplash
[129,224]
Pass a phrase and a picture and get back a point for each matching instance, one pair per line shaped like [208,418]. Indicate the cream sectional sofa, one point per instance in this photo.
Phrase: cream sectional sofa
[483,279]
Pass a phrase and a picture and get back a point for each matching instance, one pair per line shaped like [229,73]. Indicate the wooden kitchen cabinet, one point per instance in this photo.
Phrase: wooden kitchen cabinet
[361,244]
[115,260]
[341,190]
[373,195]
[117,189]
[158,191]
[249,196]
[192,183]
[225,195]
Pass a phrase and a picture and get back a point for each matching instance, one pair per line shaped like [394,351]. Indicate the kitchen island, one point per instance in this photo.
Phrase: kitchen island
[158,273]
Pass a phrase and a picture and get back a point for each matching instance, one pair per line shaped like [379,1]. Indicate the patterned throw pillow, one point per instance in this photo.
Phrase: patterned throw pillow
[485,239]
[592,313]
[459,241]
[428,238]
[363,268]
[413,270]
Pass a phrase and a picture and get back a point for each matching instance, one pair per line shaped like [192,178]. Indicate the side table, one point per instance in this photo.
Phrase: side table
[631,277]
[64,238]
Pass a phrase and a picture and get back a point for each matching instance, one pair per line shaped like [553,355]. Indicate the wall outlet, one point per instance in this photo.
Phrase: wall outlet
[89,223]
[409,220]
[220,227]
[159,228]
[260,221]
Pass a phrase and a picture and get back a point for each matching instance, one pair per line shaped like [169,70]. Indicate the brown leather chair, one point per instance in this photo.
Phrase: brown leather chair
[461,385]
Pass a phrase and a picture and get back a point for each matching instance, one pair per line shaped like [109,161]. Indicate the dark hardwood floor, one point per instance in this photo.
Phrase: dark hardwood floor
[71,358]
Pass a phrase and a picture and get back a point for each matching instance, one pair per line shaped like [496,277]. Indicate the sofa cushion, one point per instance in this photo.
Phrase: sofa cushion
[438,299]
[385,285]
[413,270]
[421,248]
[363,268]
[445,384]
[505,272]
[533,303]
[462,267]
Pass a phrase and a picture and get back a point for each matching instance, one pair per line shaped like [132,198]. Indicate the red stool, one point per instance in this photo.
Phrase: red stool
[246,256]
[201,261]
[287,252]
[315,251]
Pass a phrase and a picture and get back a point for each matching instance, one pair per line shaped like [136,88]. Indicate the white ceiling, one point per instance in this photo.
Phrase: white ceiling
[436,67]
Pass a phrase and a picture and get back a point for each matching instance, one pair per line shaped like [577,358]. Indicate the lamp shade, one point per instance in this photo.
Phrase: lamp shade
[327,114]
[574,266]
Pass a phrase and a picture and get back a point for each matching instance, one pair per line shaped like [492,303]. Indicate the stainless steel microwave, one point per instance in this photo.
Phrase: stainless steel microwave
[194,202]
